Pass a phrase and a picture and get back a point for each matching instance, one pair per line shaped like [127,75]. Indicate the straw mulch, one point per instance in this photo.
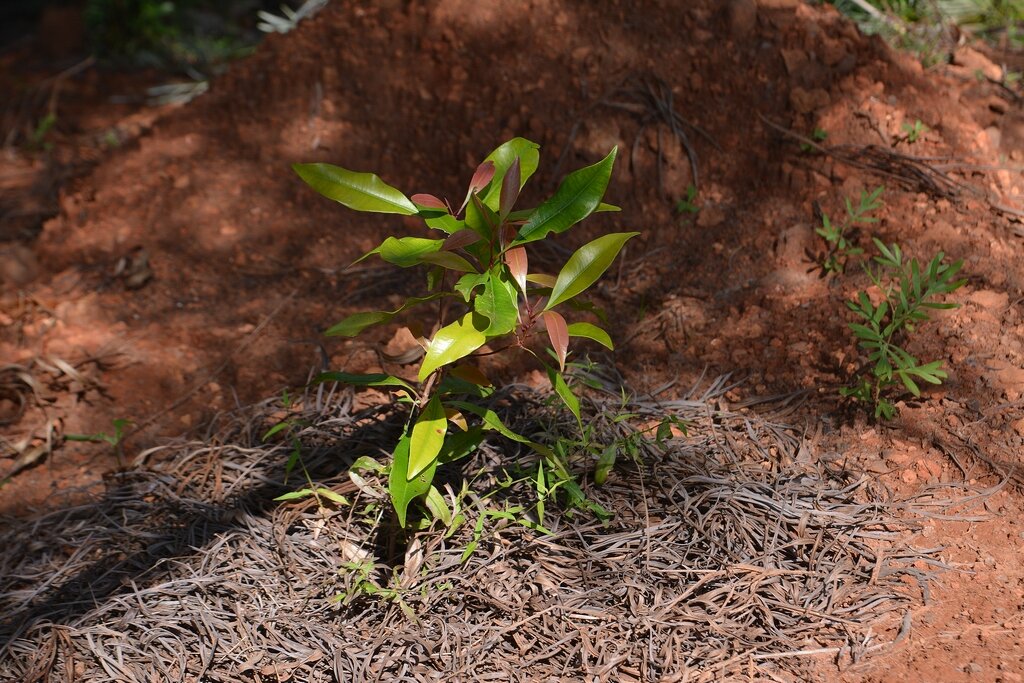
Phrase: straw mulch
[733,550]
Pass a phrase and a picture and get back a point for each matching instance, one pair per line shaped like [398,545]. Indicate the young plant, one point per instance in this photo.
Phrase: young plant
[841,238]
[114,440]
[818,135]
[908,293]
[688,204]
[481,297]
[913,132]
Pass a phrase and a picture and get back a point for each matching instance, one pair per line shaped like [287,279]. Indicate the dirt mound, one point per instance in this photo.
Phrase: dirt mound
[247,263]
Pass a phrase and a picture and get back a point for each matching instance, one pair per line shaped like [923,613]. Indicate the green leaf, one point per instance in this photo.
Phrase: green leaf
[481,219]
[863,332]
[491,420]
[460,444]
[885,410]
[499,303]
[332,496]
[565,393]
[356,323]
[529,158]
[373,380]
[427,436]
[413,251]
[930,372]
[909,383]
[296,495]
[438,507]
[446,223]
[366,463]
[293,459]
[602,208]
[280,426]
[576,198]
[358,191]
[454,341]
[592,332]
[403,491]
[468,282]
[605,463]
[664,432]
[586,265]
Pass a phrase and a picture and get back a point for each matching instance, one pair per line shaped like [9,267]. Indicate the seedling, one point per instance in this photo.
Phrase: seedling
[38,139]
[908,293]
[688,203]
[913,132]
[481,299]
[818,135]
[841,238]
[113,440]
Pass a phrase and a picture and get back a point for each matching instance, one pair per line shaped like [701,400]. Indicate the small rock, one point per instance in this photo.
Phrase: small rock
[710,216]
[742,18]
[806,101]
[793,244]
[1007,377]
[990,300]
[18,265]
[974,61]
[832,52]
[876,466]
[793,60]
[1018,427]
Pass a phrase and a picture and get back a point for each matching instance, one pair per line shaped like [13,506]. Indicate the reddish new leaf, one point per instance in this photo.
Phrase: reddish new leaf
[510,185]
[429,201]
[517,263]
[460,239]
[508,233]
[558,333]
[482,176]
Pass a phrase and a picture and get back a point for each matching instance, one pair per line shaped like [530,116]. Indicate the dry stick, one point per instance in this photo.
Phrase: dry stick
[929,175]
[941,183]
[246,341]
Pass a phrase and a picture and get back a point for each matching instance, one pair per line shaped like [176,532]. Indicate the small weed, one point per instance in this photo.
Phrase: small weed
[913,132]
[110,139]
[120,425]
[113,440]
[688,204]
[818,135]
[908,293]
[841,238]
[45,125]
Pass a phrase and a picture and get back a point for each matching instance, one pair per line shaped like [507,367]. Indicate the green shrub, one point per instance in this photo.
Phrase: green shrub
[908,293]
[480,291]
